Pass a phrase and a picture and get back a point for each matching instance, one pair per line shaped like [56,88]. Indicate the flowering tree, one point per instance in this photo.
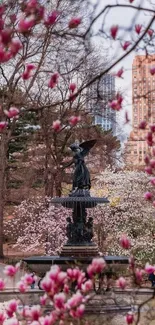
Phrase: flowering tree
[67,293]
[36,225]
[128,213]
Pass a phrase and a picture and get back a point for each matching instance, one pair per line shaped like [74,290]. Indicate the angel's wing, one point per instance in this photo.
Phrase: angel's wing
[86,146]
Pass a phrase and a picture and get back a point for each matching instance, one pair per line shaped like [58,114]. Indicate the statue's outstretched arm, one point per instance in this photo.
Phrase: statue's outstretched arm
[68,164]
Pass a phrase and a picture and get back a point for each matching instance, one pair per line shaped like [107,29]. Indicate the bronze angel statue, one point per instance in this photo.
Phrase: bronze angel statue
[81,178]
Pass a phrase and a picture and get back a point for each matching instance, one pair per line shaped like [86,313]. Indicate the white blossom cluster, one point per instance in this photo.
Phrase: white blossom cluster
[37,225]
[128,213]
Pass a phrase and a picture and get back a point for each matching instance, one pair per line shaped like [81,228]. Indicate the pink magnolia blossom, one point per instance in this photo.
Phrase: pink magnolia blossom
[129,318]
[126,45]
[152,128]
[152,163]
[15,46]
[59,300]
[125,242]
[25,25]
[150,32]
[115,105]
[56,125]
[35,312]
[148,170]
[121,283]
[61,277]
[74,22]
[28,279]
[142,125]
[81,279]
[114,31]
[148,196]
[5,36]
[97,266]
[2,285]
[153,203]
[80,311]
[131,262]
[152,70]
[1,24]
[2,317]
[30,67]
[72,97]
[138,28]
[66,288]
[131,1]
[47,320]
[2,9]
[11,270]
[149,139]
[53,273]
[3,54]
[13,18]
[32,4]
[87,286]
[52,17]
[28,71]
[73,120]
[139,275]
[12,112]
[72,87]
[21,286]
[3,125]
[53,80]
[119,73]
[11,307]
[46,284]
[73,274]
[149,268]
[75,300]
[152,181]
[43,300]
[147,160]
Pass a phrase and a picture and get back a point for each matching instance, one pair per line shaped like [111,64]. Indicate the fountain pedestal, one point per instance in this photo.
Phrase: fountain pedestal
[79,229]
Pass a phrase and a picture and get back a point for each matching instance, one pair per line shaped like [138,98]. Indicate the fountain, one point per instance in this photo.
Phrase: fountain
[79,247]
[80,229]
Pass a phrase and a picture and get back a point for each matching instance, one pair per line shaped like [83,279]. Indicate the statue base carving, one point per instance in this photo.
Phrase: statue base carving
[79,251]
[80,192]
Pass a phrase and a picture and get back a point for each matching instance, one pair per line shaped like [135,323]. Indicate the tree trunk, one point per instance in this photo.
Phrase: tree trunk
[49,184]
[58,183]
[2,189]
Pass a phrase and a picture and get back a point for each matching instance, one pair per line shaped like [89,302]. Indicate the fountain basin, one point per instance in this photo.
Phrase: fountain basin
[87,202]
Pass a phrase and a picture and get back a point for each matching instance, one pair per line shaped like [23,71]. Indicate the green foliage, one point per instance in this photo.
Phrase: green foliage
[15,184]
[24,129]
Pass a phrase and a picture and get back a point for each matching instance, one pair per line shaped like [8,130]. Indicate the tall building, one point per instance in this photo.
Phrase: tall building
[103,91]
[143,107]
